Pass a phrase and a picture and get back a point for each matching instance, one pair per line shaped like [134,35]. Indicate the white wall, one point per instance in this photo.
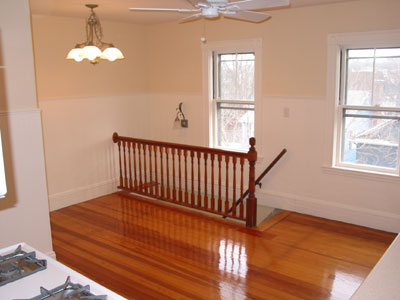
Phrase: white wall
[294,77]
[24,213]
[80,155]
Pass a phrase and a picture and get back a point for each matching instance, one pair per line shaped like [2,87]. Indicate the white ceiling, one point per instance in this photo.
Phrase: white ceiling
[117,10]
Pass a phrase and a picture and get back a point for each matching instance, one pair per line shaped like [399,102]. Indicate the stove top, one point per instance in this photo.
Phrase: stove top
[50,283]
[67,291]
[19,264]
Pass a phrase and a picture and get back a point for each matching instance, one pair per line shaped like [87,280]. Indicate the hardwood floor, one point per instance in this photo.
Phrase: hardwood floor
[144,250]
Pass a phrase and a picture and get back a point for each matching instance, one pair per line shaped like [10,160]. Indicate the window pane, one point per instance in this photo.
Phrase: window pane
[361,53]
[3,186]
[371,113]
[388,52]
[371,138]
[373,77]
[227,57]
[227,80]
[387,82]
[235,123]
[246,56]
[359,81]
[235,76]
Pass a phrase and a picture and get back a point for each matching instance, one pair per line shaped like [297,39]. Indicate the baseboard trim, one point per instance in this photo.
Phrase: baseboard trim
[81,194]
[335,211]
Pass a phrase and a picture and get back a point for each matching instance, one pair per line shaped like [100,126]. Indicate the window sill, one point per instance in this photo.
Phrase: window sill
[368,175]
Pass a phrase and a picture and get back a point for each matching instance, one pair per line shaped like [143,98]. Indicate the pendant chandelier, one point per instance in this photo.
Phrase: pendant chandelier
[94,48]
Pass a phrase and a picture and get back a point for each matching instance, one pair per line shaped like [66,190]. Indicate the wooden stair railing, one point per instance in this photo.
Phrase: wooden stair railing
[202,178]
[259,178]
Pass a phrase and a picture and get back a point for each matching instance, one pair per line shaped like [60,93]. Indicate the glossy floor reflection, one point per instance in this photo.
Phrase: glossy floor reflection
[144,250]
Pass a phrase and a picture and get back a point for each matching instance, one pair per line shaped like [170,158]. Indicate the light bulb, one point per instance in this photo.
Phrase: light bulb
[75,54]
[91,52]
[112,54]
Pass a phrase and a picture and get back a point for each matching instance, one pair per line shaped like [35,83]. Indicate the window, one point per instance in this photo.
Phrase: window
[3,187]
[367,106]
[232,92]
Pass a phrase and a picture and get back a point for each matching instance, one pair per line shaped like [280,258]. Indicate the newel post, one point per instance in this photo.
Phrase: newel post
[251,205]
[116,140]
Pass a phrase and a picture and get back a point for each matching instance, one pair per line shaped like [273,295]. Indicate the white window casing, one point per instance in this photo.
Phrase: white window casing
[3,186]
[337,44]
[235,46]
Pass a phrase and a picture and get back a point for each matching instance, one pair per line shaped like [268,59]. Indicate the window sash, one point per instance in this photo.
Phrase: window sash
[217,100]
[3,186]
[216,88]
[343,112]
[220,106]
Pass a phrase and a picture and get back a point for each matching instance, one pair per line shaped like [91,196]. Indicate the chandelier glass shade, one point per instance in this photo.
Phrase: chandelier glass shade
[94,48]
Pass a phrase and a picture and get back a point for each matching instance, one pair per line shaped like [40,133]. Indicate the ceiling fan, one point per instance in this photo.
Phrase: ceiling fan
[210,9]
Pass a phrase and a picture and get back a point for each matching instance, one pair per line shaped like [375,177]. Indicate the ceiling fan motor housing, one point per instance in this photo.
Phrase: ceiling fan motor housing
[210,12]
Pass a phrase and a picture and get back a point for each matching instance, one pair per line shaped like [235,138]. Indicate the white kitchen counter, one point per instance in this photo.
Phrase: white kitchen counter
[53,276]
[383,283]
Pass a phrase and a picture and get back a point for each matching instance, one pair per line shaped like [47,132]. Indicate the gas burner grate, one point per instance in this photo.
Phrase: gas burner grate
[19,264]
[67,291]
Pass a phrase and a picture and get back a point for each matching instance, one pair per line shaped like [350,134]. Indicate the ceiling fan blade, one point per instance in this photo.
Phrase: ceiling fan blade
[190,18]
[196,2]
[182,10]
[251,16]
[257,4]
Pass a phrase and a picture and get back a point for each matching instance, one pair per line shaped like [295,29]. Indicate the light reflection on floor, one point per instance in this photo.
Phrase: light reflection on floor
[233,264]
[233,258]
[344,283]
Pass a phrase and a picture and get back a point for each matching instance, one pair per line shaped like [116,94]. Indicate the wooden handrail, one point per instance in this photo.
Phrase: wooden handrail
[117,138]
[181,174]
[259,178]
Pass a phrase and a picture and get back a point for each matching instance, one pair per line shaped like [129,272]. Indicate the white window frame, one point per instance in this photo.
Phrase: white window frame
[234,46]
[3,185]
[336,43]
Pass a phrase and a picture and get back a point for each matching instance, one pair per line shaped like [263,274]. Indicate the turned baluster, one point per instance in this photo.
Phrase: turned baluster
[167,163]
[241,205]
[140,166]
[198,179]
[186,175]
[234,186]
[180,175]
[162,189]
[173,175]
[145,188]
[227,184]
[219,183]
[120,165]
[151,185]
[135,183]
[205,181]
[192,177]
[212,182]
[125,176]
[155,171]
[130,165]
